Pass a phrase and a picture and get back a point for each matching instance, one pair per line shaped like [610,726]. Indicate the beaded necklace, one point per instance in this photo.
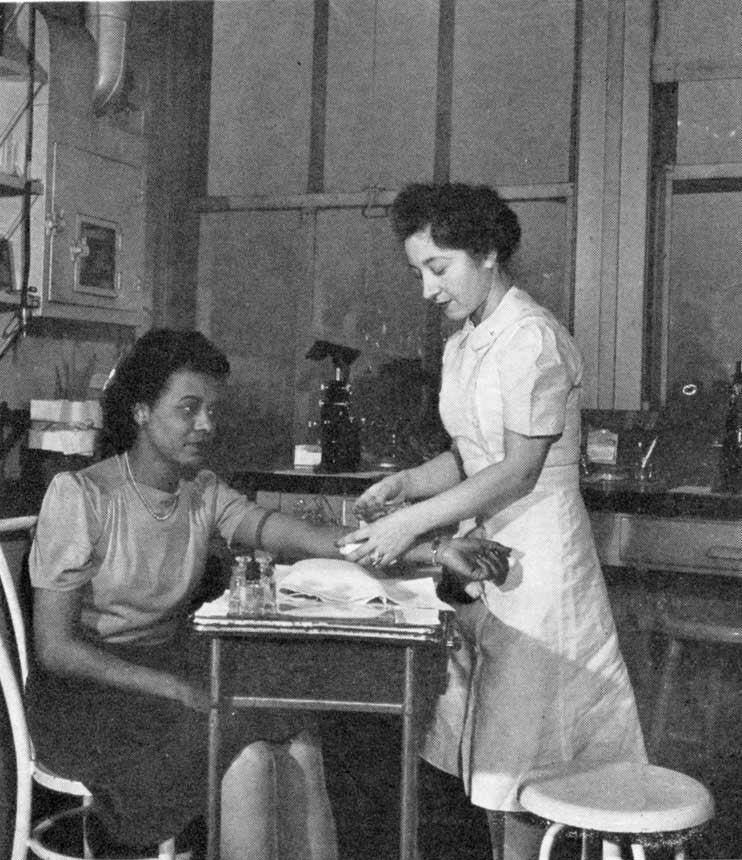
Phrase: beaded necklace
[161,517]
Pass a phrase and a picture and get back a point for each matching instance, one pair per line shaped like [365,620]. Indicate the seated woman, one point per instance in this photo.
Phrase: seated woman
[117,694]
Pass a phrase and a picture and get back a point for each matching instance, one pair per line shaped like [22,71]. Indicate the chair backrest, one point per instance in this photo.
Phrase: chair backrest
[10,683]
[10,593]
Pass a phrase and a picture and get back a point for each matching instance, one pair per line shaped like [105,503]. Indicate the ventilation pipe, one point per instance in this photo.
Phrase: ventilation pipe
[108,24]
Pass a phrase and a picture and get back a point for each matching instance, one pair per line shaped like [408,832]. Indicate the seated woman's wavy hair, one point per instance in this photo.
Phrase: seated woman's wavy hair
[142,375]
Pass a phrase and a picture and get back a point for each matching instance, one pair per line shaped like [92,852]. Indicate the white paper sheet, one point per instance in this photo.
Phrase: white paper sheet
[413,595]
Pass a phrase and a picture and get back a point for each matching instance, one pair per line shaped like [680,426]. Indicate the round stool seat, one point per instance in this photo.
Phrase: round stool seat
[619,797]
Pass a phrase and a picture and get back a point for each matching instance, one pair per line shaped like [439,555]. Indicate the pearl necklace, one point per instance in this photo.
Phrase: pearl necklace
[161,517]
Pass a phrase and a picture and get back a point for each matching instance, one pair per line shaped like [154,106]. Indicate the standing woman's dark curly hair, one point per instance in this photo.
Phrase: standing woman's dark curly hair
[143,374]
[471,218]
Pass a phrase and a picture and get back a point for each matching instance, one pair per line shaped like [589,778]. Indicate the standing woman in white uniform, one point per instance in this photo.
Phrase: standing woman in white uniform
[540,679]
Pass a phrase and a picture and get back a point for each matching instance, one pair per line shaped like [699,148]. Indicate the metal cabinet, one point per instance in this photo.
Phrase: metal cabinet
[688,545]
[95,234]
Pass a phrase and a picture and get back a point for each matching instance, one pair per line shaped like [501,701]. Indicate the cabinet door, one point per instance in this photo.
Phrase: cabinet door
[95,249]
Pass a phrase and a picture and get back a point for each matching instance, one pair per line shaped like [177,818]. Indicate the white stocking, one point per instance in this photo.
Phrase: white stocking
[249,823]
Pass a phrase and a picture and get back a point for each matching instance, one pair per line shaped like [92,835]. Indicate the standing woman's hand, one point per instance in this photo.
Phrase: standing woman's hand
[383,542]
[380,498]
[195,698]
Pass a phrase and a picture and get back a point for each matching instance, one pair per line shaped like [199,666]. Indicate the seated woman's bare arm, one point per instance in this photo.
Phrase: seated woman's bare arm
[287,536]
[61,649]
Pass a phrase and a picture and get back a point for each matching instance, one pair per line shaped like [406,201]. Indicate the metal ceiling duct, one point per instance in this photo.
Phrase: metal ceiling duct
[108,24]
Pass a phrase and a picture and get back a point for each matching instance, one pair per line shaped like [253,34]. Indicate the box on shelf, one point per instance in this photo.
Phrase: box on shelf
[307,456]
[78,414]
[68,426]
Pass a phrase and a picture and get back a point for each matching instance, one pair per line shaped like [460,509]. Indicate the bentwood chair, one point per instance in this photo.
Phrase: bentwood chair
[28,835]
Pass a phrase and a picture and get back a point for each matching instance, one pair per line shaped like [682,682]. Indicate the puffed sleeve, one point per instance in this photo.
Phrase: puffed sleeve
[67,529]
[535,379]
[229,507]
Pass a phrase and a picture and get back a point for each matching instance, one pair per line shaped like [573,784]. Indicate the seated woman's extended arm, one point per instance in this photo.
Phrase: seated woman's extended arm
[62,650]
[287,536]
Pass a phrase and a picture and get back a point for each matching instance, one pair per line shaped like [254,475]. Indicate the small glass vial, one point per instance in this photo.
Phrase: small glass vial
[254,601]
[237,587]
[245,588]
[267,580]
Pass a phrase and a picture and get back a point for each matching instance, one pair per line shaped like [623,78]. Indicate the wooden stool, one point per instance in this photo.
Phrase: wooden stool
[707,622]
[619,800]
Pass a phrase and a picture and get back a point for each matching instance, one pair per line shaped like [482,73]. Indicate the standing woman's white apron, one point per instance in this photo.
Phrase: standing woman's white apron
[539,678]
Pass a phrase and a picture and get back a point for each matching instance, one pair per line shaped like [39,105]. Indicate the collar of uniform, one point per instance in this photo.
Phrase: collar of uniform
[503,315]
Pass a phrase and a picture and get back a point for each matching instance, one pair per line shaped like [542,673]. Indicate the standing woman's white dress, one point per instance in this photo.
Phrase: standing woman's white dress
[539,679]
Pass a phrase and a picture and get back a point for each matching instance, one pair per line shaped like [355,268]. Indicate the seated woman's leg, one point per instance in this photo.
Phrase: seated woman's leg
[306,823]
[249,824]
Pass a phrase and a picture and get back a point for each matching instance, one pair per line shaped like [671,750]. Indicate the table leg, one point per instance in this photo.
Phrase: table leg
[213,796]
[408,799]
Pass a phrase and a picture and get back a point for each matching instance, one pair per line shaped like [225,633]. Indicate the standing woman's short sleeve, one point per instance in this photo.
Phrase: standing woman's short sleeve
[535,380]
[68,525]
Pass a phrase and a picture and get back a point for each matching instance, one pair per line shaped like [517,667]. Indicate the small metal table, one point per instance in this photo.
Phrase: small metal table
[382,665]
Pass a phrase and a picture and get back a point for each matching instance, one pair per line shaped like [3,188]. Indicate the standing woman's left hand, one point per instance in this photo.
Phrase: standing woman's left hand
[383,541]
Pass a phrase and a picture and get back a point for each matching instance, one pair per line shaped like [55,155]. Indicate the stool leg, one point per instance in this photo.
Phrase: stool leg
[548,841]
[584,845]
[611,850]
[669,668]
[496,822]
[637,851]
[713,706]
[87,851]
[166,849]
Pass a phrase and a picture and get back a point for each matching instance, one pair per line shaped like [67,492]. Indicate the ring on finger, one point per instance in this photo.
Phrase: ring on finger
[375,558]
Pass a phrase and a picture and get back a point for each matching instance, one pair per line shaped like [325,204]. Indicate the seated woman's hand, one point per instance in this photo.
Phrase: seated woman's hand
[475,559]
[195,698]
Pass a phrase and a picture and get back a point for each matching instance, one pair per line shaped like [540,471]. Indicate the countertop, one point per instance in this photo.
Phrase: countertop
[626,496]
[653,498]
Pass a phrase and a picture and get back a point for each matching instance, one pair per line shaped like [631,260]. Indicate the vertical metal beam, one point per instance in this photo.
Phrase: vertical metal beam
[613,179]
[590,188]
[433,347]
[444,91]
[634,204]
[317,125]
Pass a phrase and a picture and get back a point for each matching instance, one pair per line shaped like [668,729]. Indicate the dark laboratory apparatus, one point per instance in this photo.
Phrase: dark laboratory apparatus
[340,440]
[731,451]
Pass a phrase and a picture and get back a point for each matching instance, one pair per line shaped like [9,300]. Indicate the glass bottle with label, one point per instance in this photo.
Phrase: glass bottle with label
[245,588]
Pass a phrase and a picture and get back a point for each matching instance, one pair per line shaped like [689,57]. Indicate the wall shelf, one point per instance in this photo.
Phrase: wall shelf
[373,199]
[13,70]
[12,185]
